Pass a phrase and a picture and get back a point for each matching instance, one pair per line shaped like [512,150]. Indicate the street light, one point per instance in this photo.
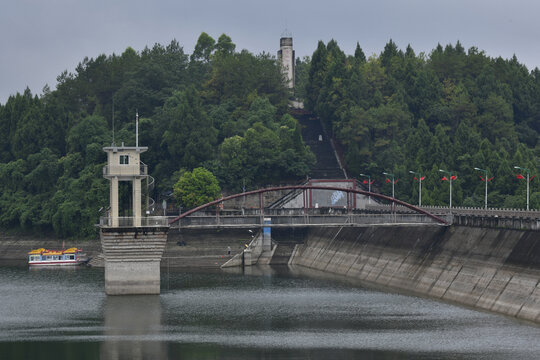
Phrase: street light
[369,186]
[392,175]
[528,174]
[450,181]
[419,176]
[485,180]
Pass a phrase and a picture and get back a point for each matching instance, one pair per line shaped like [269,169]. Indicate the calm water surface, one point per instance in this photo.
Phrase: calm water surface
[268,314]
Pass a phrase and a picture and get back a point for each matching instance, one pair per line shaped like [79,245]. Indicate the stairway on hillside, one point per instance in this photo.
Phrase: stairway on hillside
[327,166]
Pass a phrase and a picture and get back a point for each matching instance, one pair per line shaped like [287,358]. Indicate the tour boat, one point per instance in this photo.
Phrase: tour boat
[71,256]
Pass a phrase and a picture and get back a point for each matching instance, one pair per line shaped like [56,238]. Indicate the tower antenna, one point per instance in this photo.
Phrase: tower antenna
[136,128]
[113,144]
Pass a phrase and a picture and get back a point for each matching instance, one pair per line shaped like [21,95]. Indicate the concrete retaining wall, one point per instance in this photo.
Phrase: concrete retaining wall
[132,259]
[490,269]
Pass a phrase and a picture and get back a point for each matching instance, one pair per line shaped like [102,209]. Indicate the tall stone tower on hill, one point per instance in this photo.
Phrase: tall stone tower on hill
[286,57]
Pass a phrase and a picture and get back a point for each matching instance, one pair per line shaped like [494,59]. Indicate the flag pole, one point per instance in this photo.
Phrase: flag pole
[419,186]
[486,181]
[528,174]
[450,181]
[369,186]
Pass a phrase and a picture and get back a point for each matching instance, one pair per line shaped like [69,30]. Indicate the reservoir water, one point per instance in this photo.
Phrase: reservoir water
[270,313]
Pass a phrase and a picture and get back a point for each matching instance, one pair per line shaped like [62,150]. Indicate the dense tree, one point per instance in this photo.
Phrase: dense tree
[196,188]
[204,48]
[189,137]
[453,109]
[226,110]
[216,108]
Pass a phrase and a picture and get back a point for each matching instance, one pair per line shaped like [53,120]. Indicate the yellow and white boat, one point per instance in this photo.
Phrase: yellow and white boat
[44,257]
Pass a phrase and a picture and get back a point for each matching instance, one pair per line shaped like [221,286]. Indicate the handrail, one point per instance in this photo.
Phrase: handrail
[130,221]
[127,170]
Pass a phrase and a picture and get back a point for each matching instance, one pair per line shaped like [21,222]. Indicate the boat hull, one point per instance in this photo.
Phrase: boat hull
[56,263]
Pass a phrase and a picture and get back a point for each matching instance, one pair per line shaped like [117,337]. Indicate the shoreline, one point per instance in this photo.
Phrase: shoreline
[195,249]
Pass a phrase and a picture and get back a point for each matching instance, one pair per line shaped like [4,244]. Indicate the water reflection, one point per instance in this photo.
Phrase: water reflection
[132,326]
[262,313]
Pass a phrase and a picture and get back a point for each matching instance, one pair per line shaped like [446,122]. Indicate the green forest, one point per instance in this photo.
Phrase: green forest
[452,109]
[226,111]
[217,108]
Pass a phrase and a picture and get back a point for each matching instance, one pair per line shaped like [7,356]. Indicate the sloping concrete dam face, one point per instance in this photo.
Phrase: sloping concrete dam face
[490,269]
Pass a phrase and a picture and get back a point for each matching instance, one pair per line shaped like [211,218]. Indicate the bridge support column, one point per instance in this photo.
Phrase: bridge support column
[114,201]
[132,259]
[136,199]
[267,236]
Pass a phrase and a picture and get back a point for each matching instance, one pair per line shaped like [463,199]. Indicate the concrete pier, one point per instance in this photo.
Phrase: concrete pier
[132,259]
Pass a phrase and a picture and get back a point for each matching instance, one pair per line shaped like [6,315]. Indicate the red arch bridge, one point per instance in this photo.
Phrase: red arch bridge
[305,216]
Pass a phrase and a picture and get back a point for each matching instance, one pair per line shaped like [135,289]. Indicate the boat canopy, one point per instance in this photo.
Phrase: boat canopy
[37,251]
[42,251]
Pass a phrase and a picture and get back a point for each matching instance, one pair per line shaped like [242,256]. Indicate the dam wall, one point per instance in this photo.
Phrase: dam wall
[490,269]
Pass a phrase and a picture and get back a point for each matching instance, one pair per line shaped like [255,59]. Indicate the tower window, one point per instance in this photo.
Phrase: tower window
[124,159]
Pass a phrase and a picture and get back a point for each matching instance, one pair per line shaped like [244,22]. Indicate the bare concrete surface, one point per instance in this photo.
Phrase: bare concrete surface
[490,269]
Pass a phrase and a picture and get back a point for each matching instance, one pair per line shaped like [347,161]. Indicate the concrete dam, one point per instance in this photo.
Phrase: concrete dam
[490,269]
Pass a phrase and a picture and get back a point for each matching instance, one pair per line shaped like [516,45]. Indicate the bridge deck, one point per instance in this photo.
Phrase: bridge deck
[284,221]
[255,226]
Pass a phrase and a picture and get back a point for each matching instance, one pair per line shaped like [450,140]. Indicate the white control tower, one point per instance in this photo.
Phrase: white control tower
[286,58]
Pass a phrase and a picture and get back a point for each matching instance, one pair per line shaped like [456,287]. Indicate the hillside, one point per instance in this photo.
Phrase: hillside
[453,109]
[227,111]
[218,108]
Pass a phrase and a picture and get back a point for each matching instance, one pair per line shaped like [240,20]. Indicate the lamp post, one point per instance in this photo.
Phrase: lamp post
[485,180]
[393,182]
[450,180]
[528,174]
[419,176]
[369,185]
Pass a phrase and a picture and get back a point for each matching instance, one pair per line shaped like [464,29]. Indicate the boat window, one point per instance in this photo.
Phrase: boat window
[71,257]
[49,257]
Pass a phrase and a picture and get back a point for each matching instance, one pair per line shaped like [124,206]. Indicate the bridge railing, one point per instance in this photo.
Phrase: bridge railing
[286,220]
[535,214]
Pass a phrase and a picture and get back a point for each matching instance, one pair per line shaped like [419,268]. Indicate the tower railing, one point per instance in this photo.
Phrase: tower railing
[113,170]
[131,221]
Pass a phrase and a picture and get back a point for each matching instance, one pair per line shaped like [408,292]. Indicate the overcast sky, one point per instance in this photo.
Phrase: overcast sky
[41,38]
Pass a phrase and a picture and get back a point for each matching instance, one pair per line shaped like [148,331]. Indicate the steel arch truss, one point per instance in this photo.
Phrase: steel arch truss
[311,187]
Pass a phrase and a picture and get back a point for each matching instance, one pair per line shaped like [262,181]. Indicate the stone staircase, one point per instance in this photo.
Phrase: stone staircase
[313,134]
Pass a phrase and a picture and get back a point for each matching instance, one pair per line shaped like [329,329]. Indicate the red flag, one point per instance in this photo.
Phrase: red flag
[387,181]
[365,181]
[395,182]
[444,178]
[482,178]
[422,178]
[491,178]
[454,177]
[415,178]
[519,176]
[532,178]
[372,181]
